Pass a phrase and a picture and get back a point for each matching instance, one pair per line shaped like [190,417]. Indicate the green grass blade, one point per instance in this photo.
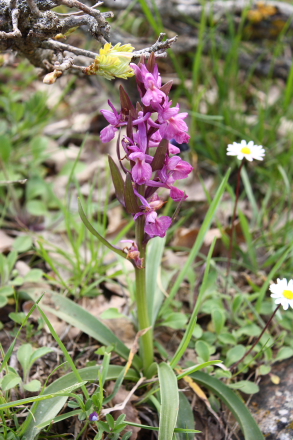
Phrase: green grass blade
[64,350]
[196,368]
[199,240]
[247,423]
[192,322]
[250,194]
[150,17]
[75,315]
[289,90]
[155,428]
[155,295]
[169,401]
[249,240]
[40,398]
[60,418]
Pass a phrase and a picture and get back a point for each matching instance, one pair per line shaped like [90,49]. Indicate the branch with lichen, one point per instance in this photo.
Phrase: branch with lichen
[33,29]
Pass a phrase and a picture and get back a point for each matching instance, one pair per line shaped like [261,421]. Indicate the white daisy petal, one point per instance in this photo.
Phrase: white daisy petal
[246,150]
[277,295]
[285,305]
[282,292]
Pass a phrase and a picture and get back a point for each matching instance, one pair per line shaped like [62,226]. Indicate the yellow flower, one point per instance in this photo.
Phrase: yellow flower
[113,62]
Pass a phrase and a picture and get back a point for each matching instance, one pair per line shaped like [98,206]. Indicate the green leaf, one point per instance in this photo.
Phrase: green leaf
[160,155]
[169,401]
[39,353]
[185,418]
[155,296]
[3,301]
[126,102]
[11,260]
[24,355]
[34,275]
[6,147]
[9,381]
[117,181]
[33,386]
[248,425]
[237,302]
[112,313]
[283,353]
[18,281]
[218,317]
[227,338]
[130,198]
[19,317]
[175,320]
[96,234]
[246,386]
[202,350]
[264,369]
[36,187]
[235,354]
[37,207]
[80,318]
[6,291]
[23,243]
[249,330]
[45,411]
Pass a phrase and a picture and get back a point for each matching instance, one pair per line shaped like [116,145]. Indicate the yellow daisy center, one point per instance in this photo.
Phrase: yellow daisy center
[246,150]
[288,294]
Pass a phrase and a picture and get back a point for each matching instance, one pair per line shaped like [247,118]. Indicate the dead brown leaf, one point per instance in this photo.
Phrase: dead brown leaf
[6,242]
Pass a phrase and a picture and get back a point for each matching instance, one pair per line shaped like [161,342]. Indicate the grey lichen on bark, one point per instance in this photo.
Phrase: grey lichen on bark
[30,27]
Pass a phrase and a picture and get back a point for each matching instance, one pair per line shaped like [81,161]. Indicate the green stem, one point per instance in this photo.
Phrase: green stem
[146,341]
[233,224]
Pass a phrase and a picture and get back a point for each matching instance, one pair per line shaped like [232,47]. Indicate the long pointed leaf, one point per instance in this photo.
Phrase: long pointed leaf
[155,295]
[130,198]
[117,180]
[160,155]
[169,401]
[96,234]
[185,418]
[126,104]
[75,315]
[248,425]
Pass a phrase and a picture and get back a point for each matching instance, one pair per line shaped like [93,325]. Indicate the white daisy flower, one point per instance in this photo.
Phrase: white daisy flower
[282,292]
[247,150]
